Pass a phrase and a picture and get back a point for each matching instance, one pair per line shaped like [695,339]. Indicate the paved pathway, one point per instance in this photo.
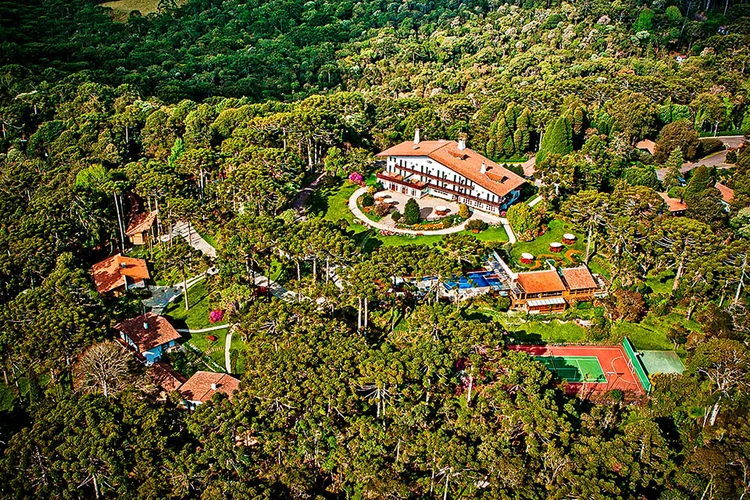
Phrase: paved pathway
[299,202]
[384,227]
[195,240]
[202,330]
[488,218]
[535,201]
[227,347]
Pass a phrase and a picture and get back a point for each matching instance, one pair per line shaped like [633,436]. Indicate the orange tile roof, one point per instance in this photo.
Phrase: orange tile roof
[141,222]
[727,193]
[158,332]
[579,278]
[110,273]
[529,167]
[166,377]
[673,204]
[541,282]
[198,387]
[497,179]
[646,144]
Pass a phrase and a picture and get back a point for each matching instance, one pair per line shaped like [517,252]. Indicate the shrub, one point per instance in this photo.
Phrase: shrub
[476,225]
[367,200]
[709,146]
[411,212]
[524,220]
[731,156]
[463,211]
[447,222]
[216,315]
[396,216]
[372,190]
[356,177]
[502,303]
[382,209]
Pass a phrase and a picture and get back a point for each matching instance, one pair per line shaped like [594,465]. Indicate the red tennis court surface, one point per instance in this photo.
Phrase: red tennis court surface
[612,359]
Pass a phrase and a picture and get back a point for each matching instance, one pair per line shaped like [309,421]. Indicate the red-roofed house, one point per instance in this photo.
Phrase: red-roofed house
[727,195]
[203,385]
[150,335]
[538,292]
[118,272]
[646,145]
[551,290]
[140,227]
[165,377]
[580,283]
[449,170]
[675,206]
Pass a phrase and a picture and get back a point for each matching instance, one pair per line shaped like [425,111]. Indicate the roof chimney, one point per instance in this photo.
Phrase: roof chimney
[214,387]
[461,142]
[483,170]
[416,138]
[145,325]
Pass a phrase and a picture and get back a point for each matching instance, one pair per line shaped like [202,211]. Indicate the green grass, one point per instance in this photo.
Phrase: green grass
[661,283]
[534,330]
[195,318]
[540,245]
[651,333]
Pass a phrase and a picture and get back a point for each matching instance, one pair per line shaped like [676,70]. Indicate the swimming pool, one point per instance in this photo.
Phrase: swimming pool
[475,279]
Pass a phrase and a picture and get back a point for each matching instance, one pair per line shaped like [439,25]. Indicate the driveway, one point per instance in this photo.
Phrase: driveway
[195,240]
[490,219]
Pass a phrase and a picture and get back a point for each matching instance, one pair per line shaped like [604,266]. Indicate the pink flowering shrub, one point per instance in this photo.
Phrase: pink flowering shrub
[216,315]
[356,177]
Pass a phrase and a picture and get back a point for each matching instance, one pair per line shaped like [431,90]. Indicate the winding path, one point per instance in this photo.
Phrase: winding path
[455,229]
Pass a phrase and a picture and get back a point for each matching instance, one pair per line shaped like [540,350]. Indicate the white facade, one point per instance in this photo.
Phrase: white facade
[421,175]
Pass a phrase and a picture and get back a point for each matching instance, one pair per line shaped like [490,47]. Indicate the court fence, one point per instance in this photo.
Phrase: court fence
[635,364]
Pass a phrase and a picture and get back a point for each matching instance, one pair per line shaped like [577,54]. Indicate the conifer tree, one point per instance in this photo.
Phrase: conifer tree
[558,139]
[675,161]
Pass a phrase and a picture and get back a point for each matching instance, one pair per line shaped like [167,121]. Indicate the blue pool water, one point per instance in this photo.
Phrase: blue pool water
[474,280]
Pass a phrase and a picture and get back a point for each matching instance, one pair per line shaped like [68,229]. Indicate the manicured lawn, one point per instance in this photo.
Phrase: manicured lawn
[212,348]
[651,333]
[540,246]
[196,317]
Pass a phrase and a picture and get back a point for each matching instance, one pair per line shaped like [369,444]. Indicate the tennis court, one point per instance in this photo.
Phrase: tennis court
[575,368]
[589,369]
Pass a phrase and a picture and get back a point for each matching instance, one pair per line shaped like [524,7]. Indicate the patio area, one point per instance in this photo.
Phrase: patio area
[430,208]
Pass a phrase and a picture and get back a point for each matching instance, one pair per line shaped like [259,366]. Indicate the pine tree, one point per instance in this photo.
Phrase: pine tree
[558,139]
[411,212]
[675,161]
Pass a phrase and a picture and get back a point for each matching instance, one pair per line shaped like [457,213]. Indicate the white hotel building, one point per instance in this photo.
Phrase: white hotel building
[449,170]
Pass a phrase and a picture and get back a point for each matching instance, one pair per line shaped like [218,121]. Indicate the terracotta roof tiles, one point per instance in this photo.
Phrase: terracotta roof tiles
[110,273]
[166,377]
[467,162]
[199,387]
[673,204]
[141,222]
[541,282]
[148,331]
[727,193]
[579,278]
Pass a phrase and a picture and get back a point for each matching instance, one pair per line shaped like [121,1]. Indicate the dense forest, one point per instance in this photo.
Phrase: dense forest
[221,114]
